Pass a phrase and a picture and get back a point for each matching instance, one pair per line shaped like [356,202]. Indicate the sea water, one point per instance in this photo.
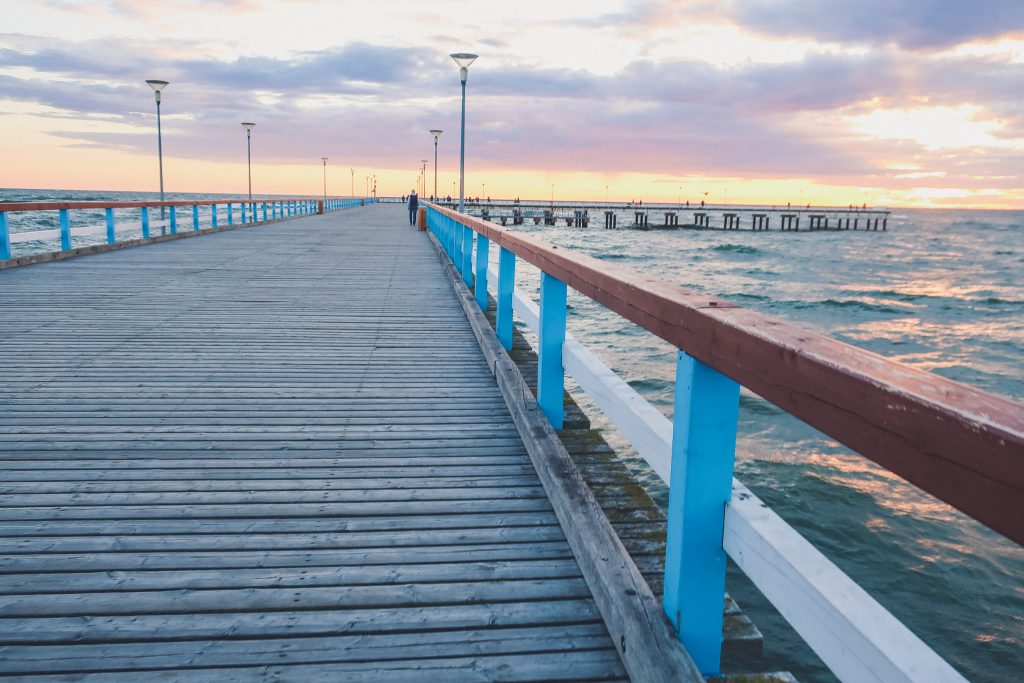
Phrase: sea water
[941,290]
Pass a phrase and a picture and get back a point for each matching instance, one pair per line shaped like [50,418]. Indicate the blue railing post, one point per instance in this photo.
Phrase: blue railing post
[65,230]
[231,214]
[506,285]
[264,212]
[195,217]
[483,247]
[252,207]
[458,236]
[703,452]
[467,255]
[111,237]
[174,219]
[550,373]
[145,222]
[213,215]
[5,237]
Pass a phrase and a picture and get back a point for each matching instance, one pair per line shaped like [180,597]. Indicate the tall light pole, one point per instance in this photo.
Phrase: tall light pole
[248,146]
[423,174]
[157,86]
[463,59]
[436,133]
[324,159]
[352,183]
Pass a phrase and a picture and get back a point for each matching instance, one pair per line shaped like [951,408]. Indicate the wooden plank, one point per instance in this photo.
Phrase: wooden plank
[286,624]
[257,458]
[285,577]
[182,561]
[365,648]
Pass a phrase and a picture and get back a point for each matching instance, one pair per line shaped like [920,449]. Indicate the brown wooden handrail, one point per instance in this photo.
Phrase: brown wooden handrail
[59,206]
[960,444]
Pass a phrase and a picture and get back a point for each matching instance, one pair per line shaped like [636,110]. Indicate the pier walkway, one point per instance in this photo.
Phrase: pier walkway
[275,451]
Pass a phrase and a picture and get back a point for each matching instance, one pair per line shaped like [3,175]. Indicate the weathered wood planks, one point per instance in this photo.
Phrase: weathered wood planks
[272,452]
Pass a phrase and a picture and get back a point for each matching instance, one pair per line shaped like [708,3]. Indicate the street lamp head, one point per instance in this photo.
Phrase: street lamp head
[436,133]
[323,159]
[157,86]
[464,59]
[248,125]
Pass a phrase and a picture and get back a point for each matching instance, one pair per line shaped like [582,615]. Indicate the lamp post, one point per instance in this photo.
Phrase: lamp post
[423,174]
[324,159]
[157,86]
[352,183]
[248,146]
[463,59]
[436,133]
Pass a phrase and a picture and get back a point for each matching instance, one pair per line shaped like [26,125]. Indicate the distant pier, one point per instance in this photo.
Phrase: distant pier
[638,216]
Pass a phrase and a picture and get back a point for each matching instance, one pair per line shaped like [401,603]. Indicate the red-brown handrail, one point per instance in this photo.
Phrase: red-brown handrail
[960,444]
[59,206]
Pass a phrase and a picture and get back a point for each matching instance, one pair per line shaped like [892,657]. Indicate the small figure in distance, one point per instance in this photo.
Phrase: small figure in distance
[702,203]
[414,206]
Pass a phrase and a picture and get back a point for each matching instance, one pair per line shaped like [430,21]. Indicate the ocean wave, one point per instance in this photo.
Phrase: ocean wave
[736,249]
[996,301]
[848,304]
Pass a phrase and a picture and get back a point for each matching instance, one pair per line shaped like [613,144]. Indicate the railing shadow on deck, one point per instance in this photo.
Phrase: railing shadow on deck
[960,444]
[202,215]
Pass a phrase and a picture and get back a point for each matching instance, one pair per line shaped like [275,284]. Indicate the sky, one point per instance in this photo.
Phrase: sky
[884,102]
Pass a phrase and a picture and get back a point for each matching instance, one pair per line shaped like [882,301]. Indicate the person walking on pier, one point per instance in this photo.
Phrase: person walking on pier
[414,206]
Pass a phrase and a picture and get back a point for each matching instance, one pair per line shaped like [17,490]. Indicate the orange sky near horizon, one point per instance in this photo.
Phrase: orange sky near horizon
[688,102]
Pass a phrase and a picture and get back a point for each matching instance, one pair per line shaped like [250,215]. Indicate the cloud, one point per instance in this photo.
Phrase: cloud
[779,120]
[913,24]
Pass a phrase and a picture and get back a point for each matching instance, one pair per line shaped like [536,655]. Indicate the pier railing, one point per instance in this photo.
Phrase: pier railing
[960,444]
[194,215]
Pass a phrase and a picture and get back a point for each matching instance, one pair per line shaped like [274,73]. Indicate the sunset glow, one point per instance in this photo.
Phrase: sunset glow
[655,100]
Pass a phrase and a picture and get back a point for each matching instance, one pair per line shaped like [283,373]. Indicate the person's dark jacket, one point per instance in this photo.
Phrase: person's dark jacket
[414,202]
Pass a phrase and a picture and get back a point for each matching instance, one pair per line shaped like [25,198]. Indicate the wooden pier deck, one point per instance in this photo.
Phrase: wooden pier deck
[274,452]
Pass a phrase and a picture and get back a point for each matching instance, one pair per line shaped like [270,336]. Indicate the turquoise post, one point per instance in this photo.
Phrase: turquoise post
[273,210]
[550,373]
[243,212]
[174,219]
[231,214]
[252,207]
[457,236]
[264,212]
[195,217]
[506,285]
[703,451]
[111,237]
[145,222]
[5,237]
[65,230]
[467,256]
[483,246]
[213,215]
